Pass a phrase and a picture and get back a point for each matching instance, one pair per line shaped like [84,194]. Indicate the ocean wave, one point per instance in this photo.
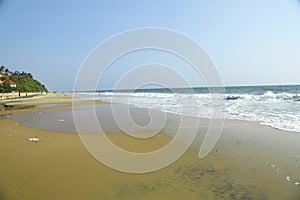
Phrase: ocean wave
[278,110]
[269,95]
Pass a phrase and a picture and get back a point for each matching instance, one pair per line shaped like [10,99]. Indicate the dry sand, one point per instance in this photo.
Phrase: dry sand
[57,100]
[59,167]
[17,94]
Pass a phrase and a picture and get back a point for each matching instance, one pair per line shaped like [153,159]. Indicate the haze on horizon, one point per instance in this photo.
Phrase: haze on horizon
[251,43]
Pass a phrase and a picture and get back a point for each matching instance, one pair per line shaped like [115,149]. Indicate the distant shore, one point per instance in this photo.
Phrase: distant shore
[19,95]
[13,103]
[250,161]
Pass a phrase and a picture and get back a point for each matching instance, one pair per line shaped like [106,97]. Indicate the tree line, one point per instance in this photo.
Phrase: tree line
[24,82]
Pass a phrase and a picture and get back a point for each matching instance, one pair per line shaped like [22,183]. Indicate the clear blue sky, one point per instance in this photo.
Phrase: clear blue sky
[251,42]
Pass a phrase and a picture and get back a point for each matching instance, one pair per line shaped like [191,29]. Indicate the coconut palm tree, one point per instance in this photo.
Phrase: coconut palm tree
[6,71]
[2,69]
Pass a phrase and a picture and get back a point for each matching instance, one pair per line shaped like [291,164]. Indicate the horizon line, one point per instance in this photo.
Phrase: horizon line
[258,85]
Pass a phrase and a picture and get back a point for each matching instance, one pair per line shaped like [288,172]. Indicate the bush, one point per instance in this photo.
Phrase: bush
[5,88]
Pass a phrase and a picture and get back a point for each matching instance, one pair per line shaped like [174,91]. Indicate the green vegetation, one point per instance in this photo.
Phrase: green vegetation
[19,82]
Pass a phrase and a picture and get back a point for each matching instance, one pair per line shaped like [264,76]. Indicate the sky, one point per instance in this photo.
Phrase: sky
[251,42]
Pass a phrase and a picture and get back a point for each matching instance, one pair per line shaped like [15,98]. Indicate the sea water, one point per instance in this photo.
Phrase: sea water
[275,106]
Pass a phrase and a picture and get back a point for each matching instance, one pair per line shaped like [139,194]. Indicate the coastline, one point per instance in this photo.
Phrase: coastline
[59,167]
[42,102]
[13,95]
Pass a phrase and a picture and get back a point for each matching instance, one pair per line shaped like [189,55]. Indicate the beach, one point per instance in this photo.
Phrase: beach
[250,161]
[145,100]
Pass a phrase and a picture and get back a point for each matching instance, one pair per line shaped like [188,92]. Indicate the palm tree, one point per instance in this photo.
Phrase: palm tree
[29,75]
[16,73]
[2,69]
[6,71]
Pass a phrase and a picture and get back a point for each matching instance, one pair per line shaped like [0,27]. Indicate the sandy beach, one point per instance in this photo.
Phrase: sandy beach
[148,100]
[250,161]
[17,95]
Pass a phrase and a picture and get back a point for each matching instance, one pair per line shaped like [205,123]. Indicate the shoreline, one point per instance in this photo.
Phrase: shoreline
[58,166]
[17,95]
[54,100]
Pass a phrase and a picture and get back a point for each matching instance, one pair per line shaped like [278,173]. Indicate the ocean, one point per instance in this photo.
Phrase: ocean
[274,106]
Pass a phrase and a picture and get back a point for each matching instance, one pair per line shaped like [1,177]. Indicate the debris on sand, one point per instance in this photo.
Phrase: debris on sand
[33,139]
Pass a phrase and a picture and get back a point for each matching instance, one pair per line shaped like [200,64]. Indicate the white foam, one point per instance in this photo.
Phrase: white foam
[281,111]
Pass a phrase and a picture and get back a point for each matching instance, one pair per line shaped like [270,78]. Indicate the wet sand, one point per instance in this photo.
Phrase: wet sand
[250,161]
